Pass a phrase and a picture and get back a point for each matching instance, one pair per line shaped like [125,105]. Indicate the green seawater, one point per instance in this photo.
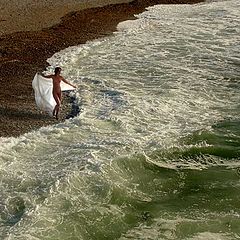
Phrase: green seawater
[185,192]
[154,153]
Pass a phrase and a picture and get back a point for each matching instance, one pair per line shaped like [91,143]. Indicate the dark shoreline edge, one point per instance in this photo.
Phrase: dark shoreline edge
[22,54]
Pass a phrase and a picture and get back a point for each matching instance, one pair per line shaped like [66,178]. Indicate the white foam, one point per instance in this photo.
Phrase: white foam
[159,79]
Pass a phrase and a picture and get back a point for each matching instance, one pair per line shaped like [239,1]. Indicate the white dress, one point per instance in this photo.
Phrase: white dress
[43,92]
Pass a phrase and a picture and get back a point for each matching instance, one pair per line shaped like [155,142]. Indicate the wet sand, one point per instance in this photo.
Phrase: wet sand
[24,53]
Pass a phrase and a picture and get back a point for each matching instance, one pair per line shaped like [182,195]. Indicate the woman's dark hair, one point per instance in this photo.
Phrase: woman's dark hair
[57,69]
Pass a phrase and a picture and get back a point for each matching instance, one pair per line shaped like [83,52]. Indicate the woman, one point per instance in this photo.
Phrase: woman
[57,93]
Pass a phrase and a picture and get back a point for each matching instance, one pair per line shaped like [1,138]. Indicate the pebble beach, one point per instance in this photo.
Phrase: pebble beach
[31,32]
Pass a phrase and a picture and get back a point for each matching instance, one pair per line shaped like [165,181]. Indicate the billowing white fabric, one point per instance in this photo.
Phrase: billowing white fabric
[43,92]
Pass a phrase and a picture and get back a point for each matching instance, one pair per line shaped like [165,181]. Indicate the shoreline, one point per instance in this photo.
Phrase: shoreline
[22,54]
[35,15]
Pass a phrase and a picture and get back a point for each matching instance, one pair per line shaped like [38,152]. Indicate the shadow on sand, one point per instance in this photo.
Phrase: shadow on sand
[17,114]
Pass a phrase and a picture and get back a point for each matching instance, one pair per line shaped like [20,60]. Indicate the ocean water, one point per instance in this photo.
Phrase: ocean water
[155,150]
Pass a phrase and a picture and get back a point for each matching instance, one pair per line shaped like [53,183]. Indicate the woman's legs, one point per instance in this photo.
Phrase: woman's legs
[57,97]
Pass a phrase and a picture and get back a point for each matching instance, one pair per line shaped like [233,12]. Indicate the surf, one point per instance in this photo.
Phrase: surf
[154,152]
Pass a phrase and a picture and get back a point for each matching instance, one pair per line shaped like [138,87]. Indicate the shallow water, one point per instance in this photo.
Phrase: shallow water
[154,153]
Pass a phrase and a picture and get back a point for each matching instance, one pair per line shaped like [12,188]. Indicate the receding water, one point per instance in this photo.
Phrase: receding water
[154,152]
